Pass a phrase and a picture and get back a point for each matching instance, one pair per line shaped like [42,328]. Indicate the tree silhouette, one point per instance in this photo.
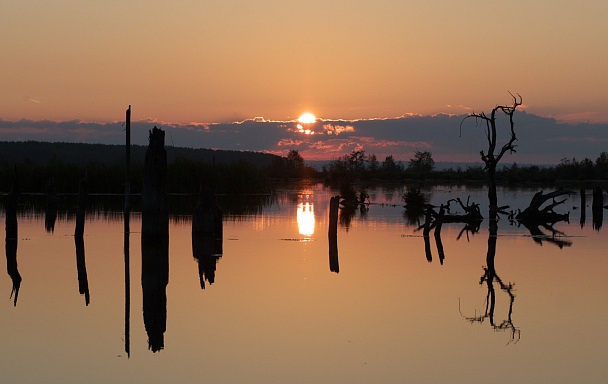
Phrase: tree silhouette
[492,157]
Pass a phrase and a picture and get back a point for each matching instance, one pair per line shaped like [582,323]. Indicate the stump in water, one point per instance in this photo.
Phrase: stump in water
[12,233]
[154,210]
[155,240]
[597,208]
[334,204]
[82,206]
[583,207]
[154,280]
[81,267]
[207,233]
[536,213]
[51,206]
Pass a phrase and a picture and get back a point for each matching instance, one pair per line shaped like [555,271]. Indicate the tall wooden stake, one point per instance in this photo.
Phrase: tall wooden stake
[127,234]
[128,166]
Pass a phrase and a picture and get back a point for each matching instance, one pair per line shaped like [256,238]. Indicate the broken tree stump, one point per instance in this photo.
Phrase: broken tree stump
[154,211]
[207,233]
[537,212]
[12,233]
[332,234]
[81,206]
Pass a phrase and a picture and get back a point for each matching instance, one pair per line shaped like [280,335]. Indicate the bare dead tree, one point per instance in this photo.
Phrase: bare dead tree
[494,155]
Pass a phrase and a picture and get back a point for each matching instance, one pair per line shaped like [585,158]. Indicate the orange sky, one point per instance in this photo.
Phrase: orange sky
[199,61]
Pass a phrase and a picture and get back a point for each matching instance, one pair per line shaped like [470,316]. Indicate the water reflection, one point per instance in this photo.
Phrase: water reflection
[81,266]
[306,218]
[12,235]
[207,234]
[332,234]
[154,280]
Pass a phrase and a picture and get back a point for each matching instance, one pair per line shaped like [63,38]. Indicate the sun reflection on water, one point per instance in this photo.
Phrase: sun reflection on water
[306,219]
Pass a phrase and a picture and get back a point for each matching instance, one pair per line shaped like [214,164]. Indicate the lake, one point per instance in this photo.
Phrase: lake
[275,308]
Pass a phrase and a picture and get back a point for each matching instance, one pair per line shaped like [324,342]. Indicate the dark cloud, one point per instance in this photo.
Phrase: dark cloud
[540,139]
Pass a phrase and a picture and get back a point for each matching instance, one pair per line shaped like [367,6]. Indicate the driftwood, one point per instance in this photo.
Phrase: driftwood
[536,213]
[472,219]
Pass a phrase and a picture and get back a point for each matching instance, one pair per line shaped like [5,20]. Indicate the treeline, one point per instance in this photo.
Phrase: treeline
[183,176]
[35,164]
[79,153]
[359,166]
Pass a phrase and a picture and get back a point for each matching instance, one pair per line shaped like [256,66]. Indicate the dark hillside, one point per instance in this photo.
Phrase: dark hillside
[73,153]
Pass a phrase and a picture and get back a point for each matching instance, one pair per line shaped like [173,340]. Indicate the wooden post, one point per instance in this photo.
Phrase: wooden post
[597,208]
[128,169]
[12,234]
[583,207]
[127,230]
[155,240]
[154,210]
[82,206]
[334,204]
[437,233]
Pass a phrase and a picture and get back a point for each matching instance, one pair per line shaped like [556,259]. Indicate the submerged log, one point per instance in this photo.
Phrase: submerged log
[154,211]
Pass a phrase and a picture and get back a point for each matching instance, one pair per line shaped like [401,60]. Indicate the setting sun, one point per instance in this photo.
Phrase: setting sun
[307,118]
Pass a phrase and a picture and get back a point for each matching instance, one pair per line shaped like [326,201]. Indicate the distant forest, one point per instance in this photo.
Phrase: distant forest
[66,163]
[235,172]
[75,153]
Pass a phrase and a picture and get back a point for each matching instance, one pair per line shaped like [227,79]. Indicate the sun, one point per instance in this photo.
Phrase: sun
[307,118]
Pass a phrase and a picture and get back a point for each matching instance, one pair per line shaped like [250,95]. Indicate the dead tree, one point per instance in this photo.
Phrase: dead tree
[494,155]
[536,213]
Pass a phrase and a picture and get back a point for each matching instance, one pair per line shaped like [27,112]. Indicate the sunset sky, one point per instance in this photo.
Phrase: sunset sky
[200,63]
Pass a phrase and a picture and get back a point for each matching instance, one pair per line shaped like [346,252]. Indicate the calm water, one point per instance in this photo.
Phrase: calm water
[276,313]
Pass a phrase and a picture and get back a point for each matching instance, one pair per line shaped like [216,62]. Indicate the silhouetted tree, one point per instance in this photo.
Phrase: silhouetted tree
[422,163]
[492,158]
[295,161]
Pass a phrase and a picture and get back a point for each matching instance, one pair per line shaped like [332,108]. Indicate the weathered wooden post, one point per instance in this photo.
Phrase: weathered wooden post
[583,207]
[128,169]
[81,267]
[425,234]
[51,206]
[155,240]
[154,211]
[12,234]
[82,206]
[437,233]
[127,230]
[334,204]
[597,207]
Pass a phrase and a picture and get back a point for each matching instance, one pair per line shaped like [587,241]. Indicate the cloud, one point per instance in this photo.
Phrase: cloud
[337,129]
[540,139]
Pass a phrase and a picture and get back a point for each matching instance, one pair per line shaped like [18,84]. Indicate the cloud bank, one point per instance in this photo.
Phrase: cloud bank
[541,140]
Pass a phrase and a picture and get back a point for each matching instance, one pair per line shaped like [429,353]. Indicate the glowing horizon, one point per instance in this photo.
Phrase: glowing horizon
[225,62]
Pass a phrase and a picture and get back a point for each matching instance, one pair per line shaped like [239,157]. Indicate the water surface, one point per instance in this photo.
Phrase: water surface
[273,311]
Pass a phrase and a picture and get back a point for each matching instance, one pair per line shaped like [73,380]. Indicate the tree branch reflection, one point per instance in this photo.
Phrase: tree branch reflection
[490,278]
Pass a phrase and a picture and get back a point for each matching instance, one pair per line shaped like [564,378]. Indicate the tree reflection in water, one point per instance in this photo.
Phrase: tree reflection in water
[490,277]
[541,216]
